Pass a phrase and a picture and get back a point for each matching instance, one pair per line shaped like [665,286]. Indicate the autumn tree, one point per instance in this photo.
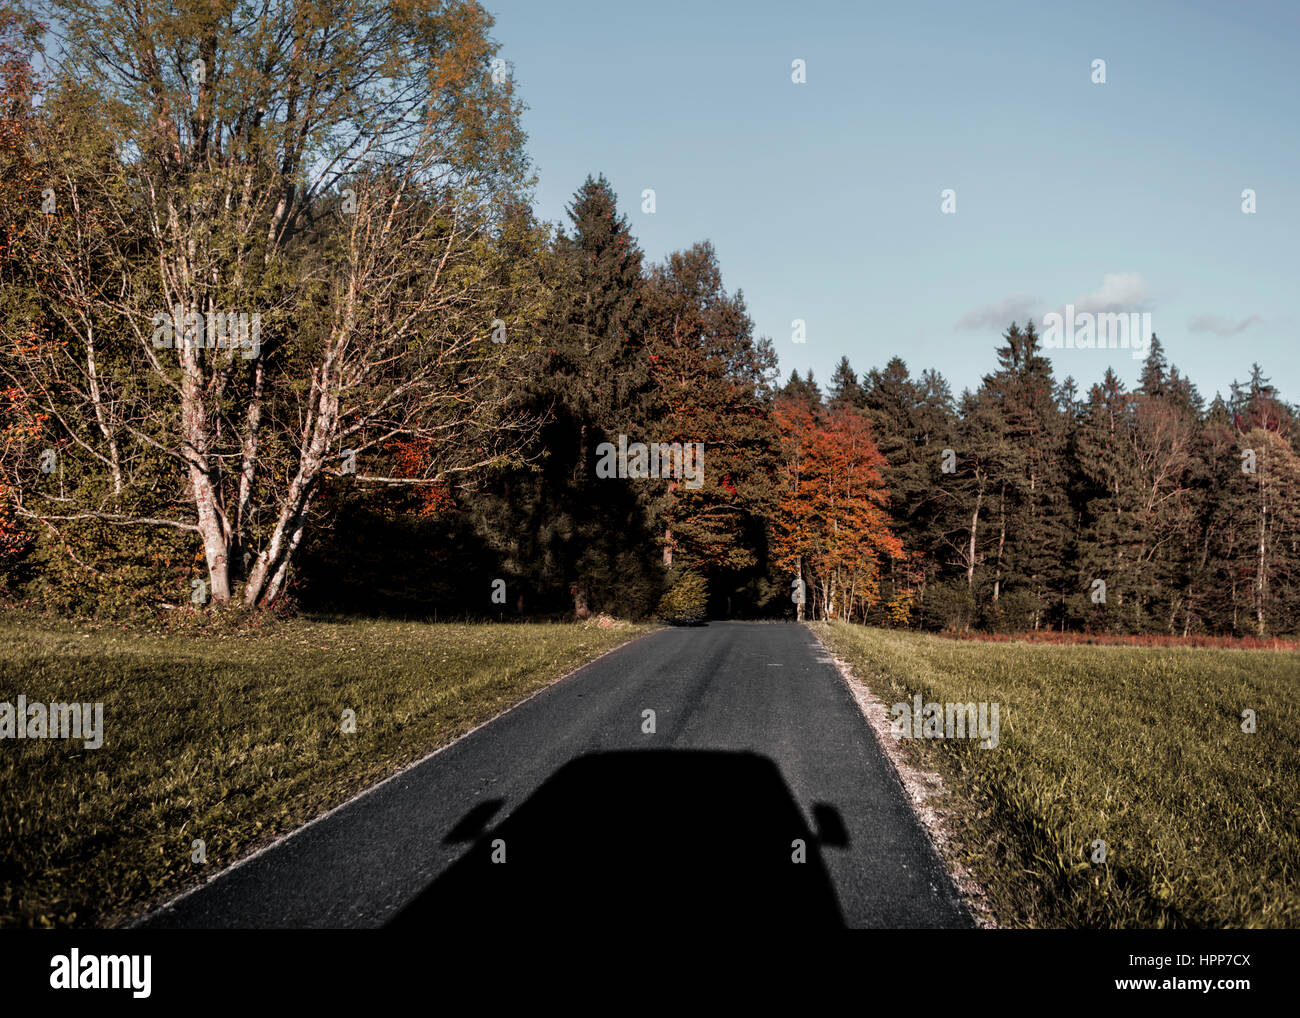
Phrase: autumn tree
[712,385]
[339,172]
[831,527]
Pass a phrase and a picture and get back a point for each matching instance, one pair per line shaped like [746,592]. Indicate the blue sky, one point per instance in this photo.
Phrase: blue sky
[823,199]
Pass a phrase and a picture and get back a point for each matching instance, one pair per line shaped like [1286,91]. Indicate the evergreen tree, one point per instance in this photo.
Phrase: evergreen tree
[1154,370]
[1250,517]
[805,389]
[1031,516]
[712,386]
[845,389]
[913,425]
[571,537]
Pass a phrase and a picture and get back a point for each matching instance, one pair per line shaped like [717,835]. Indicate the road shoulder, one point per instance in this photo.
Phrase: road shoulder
[924,790]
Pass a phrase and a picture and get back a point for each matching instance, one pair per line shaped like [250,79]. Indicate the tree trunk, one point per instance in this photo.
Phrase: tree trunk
[799,608]
[1002,540]
[1261,569]
[266,581]
[970,555]
[213,527]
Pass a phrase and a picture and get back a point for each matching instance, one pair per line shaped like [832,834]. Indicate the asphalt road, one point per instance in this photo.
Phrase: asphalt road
[566,811]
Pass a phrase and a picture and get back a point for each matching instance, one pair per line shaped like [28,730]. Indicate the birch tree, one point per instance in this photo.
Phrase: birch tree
[276,251]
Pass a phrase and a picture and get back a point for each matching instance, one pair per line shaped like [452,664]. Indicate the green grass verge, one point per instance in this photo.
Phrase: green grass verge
[230,737]
[1141,748]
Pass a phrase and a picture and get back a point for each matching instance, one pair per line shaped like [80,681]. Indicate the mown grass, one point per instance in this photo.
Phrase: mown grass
[1140,748]
[230,737]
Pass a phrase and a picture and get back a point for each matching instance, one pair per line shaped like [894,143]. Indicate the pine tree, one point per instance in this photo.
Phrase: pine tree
[1154,370]
[845,388]
[571,536]
[805,389]
[1109,539]
[913,425]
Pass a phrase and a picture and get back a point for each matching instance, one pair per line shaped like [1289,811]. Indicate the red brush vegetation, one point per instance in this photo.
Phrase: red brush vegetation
[1144,640]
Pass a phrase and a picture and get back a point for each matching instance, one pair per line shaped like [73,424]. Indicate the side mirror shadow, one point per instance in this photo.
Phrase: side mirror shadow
[830,826]
[474,823]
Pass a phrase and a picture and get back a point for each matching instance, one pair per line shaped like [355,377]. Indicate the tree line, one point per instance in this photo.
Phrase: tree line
[418,421]
[1028,504]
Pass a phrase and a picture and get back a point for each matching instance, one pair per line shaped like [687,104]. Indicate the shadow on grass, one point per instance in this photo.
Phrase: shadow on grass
[640,838]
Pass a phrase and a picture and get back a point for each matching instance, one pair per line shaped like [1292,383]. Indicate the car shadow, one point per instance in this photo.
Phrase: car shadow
[641,838]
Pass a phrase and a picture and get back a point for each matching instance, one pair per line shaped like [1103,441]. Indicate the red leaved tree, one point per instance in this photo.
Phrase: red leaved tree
[831,528]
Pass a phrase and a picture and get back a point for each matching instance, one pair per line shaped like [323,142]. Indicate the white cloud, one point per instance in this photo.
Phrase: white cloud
[1221,326]
[1119,292]
[1000,314]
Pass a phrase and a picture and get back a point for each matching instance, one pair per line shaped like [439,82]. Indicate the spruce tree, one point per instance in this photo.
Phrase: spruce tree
[845,389]
[577,539]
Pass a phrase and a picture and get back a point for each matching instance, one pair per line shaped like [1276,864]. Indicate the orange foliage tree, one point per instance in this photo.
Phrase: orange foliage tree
[831,527]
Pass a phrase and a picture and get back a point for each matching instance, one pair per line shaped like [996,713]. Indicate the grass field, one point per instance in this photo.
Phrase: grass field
[230,737]
[1140,748]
